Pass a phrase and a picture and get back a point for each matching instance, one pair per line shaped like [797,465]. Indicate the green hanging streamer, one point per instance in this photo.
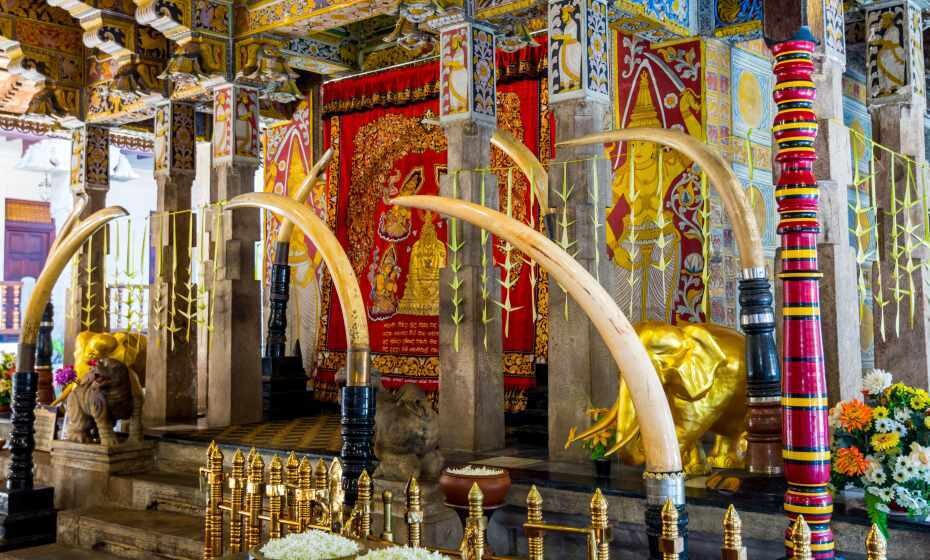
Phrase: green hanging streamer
[485,316]
[455,246]
[877,290]
[632,195]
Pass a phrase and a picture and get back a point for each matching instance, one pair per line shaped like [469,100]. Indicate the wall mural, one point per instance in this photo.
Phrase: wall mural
[654,234]
[737,20]
[887,57]
[287,149]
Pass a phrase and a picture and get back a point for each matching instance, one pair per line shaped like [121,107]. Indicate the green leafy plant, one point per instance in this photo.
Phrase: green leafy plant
[598,444]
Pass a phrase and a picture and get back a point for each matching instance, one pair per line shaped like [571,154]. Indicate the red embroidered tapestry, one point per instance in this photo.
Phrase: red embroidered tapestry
[383,148]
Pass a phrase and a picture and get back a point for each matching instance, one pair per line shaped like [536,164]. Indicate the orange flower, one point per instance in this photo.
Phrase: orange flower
[855,415]
[850,461]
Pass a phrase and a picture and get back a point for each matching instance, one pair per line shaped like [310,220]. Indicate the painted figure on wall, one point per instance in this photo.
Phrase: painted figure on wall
[394,224]
[569,49]
[888,72]
[428,256]
[647,250]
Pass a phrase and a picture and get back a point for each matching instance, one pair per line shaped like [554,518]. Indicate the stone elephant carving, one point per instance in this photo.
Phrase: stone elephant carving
[703,370]
[110,391]
[407,435]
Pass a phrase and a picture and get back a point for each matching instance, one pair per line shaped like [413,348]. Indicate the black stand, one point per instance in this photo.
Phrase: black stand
[654,530]
[284,383]
[358,430]
[27,512]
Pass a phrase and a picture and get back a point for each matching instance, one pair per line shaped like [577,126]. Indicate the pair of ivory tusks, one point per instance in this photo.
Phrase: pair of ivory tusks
[302,193]
[719,173]
[656,424]
[67,246]
[337,262]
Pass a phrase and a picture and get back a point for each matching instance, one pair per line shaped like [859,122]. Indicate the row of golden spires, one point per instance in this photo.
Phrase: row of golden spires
[298,496]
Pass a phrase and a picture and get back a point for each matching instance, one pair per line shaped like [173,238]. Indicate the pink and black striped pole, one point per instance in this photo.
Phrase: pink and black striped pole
[805,432]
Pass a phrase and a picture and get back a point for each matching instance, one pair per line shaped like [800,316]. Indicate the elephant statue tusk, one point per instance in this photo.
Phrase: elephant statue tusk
[528,163]
[301,195]
[54,265]
[80,203]
[344,280]
[718,171]
[656,425]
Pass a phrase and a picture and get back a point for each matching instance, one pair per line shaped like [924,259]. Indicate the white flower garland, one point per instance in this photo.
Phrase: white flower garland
[403,553]
[474,470]
[311,545]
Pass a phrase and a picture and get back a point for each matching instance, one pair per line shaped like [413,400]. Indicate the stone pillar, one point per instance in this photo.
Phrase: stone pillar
[171,383]
[581,371]
[90,175]
[471,383]
[837,260]
[235,344]
[898,103]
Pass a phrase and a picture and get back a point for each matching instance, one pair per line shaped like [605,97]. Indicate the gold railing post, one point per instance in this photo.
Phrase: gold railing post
[364,503]
[275,492]
[472,547]
[670,543]
[304,490]
[599,524]
[236,488]
[535,544]
[213,520]
[388,533]
[414,512]
[336,495]
[801,540]
[733,548]
[875,546]
[253,499]
[290,479]
[320,480]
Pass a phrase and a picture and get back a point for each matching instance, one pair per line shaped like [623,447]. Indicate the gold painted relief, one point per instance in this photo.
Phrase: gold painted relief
[427,258]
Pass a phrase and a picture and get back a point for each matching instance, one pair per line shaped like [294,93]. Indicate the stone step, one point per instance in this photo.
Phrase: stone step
[56,552]
[133,534]
[177,492]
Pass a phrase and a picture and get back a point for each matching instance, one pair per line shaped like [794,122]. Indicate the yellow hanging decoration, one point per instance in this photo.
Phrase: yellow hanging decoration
[705,247]
[217,234]
[455,246]
[632,195]
[485,317]
[896,248]
[173,310]
[908,231]
[509,280]
[594,195]
[878,296]
[87,322]
[564,223]
[859,230]
[661,222]
[105,304]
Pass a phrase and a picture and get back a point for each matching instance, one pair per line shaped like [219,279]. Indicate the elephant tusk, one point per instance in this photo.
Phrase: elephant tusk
[302,194]
[528,163]
[54,265]
[718,171]
[339,267]
[64,394]
[80,203]
[658,428]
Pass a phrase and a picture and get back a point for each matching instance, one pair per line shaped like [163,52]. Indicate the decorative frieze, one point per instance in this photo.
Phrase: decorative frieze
[579,56]
[894,52]
[174,145]
[467,78]
[235,125]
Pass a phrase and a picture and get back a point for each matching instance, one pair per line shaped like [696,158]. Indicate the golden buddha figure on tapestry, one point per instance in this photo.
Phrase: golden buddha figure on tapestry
[648,250]
[427,258]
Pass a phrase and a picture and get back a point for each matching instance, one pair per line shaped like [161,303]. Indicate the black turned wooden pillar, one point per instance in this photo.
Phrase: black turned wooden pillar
[43,367]
[358,430]
[280,285]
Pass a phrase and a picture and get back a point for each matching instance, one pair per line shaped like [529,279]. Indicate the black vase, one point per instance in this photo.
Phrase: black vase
[602,468]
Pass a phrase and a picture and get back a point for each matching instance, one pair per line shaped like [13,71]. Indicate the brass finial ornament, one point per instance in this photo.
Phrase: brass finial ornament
[414,513]
[876,548]
[670,542]
[364,502]
[535,544]
[253,501]
[304,492]
[236,501]
[600,525]
[275,490]
[387,498]
[801,539]
[472,545]
[733,548]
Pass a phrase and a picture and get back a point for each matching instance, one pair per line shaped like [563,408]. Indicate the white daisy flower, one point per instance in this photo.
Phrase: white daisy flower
[876,381]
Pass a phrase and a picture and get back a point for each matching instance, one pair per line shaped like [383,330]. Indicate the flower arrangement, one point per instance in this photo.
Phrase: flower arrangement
[310,545]
[64,376]
[403,553]
[602,441]
[7,369]
[882,445]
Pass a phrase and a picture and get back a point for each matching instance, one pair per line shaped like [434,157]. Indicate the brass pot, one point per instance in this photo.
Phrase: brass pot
[494,487]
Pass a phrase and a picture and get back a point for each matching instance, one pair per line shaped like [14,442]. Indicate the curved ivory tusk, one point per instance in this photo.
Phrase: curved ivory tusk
[528,163]
[337,262]
[50,272]
[718,171]
[73,218]
[658,428]
[302,193]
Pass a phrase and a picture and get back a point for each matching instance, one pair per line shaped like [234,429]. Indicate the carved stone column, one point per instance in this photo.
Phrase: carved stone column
[235,344]
[90,175]
[581,371]
[471,384]
[171,372]
[897,102]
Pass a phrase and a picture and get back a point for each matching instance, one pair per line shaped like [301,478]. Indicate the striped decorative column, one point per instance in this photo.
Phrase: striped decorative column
[805,433]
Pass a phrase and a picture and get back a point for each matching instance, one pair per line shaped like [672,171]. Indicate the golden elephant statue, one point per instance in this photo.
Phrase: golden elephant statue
[127,348]
[703,370]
